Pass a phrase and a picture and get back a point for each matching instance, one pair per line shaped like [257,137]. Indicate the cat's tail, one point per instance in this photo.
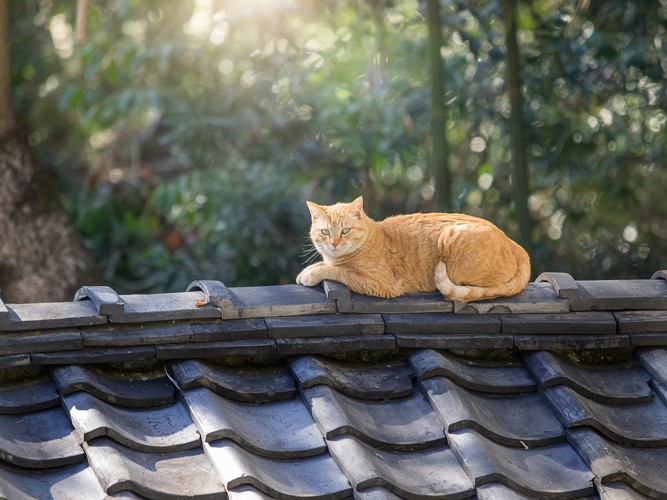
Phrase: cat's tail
[465,293]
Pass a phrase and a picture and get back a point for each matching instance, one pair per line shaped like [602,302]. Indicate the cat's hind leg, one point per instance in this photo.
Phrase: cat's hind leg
[479,262]
[451,290]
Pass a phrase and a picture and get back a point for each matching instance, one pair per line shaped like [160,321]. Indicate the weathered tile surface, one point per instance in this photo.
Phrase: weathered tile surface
[523,420]
[153,475]
[215,294]
[350,302]
[422,474]
[146,392]
[655,362]
[67,483]
[464,341]
[617,490]
[35,342]
[622,294]
[198,350]
[435,323]
[405,424]
[498,491]
[548,471]
[563,284]
[284,300]
[325,325]
[626,384]
[105,300]
[503,380]
[569,342]
[93,355]
[610,295]
[334,345]
[253,386]
[164,307]
[137,334]
[642,469]
[358,425]
[51,315]
[39,440]
[424,302]
[386,382]
[641,425]
[641,321]
[313,477]
[375,493]
[282,429]
[230,330]
[15,360]
[579,323]
[155,430]
[32,395]
[536,297]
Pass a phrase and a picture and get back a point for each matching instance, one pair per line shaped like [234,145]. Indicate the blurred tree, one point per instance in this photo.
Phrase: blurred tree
[41,256]
[195,130]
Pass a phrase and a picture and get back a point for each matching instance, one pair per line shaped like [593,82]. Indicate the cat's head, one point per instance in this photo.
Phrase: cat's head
[338,230]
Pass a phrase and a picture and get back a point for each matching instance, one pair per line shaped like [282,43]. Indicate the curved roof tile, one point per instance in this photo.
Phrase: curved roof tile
[282,429]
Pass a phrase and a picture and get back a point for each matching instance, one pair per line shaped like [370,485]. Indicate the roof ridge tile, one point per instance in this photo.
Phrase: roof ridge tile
[216,294]
[30,342]
[611,295]
[106,301]
[279,300]
[535,298]
[49,315]
[325,325]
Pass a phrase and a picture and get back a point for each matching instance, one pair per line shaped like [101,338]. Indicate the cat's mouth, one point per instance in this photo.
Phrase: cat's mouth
[332,251]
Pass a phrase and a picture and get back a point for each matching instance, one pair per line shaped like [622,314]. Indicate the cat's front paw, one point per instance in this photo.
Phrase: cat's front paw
[309,276]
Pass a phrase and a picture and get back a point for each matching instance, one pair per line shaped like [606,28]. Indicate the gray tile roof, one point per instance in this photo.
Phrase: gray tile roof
[291,392]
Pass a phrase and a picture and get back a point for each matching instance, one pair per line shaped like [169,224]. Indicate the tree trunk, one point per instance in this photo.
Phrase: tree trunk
[41,255]
[438,110]
[520,171]
[7,115]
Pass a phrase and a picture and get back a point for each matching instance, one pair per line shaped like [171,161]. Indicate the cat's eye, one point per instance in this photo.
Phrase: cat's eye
[345,230]
[326,232]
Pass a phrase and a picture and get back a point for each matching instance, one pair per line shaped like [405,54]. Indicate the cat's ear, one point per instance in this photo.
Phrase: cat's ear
[357,208]
[316,211]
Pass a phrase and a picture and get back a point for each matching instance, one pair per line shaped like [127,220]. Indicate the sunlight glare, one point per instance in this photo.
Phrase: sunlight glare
[198,25]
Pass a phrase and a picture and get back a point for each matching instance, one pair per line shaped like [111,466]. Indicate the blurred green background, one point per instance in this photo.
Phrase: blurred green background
[186,135]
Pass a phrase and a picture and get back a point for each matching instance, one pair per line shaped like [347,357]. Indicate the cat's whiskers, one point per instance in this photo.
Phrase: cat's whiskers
[310,253]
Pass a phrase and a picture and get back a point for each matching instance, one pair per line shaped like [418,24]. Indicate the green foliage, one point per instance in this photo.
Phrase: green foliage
[187,135]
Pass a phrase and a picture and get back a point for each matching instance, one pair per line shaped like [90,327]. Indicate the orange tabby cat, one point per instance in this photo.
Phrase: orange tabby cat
[464,257]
